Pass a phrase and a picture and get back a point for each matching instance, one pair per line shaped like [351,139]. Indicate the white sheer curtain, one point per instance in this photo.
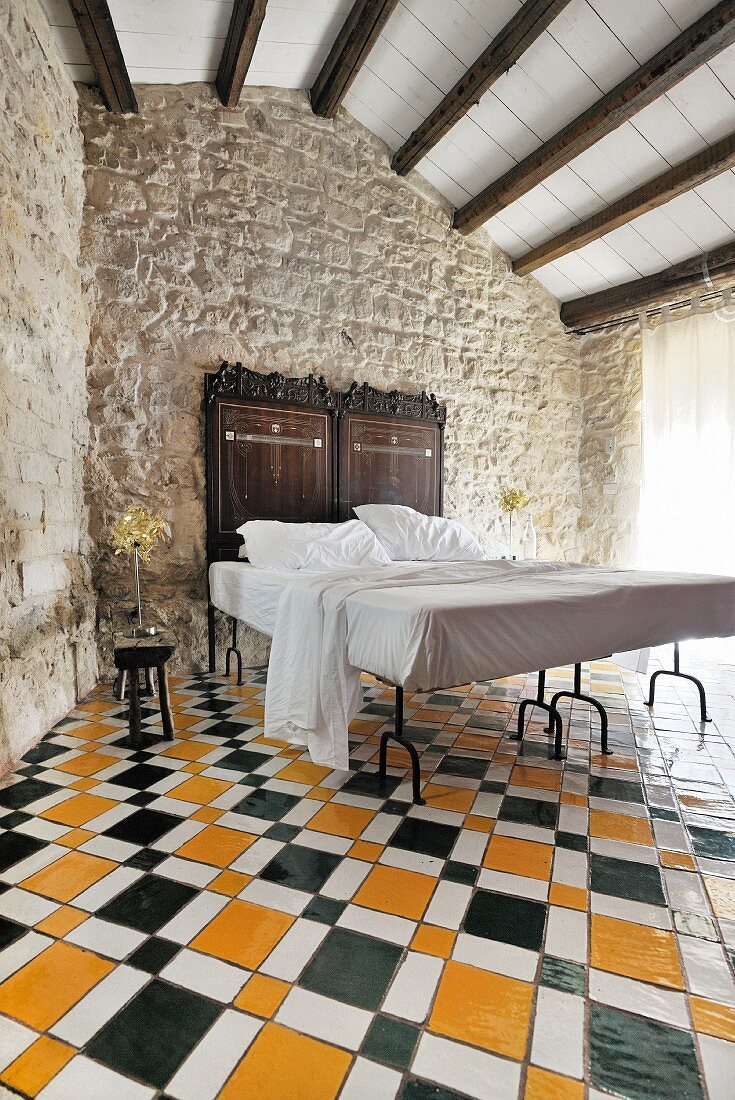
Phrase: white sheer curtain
[688,498]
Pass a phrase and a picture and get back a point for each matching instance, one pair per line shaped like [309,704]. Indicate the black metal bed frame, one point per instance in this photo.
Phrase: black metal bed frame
[684,676]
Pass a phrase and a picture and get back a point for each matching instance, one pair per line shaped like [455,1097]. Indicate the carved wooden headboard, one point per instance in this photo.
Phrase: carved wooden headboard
[295,450]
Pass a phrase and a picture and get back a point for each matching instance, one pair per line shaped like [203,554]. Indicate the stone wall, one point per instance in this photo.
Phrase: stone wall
[47,649]
[272,236]
[611,407]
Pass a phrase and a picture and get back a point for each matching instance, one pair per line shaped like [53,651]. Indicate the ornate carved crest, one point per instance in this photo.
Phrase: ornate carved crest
[234,380]
[417,406]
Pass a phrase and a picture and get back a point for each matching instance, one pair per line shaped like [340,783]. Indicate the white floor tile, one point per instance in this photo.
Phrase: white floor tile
[618,849]
[244,823]
[503,883]
[114,940]
[211,1062]
[84,1078]
[31,864]
[346,879]
[289,957]
[211,977]
[487,804]
[274,896]
[558,1032]
[41,829]
[111,817]
[323,1018]
[524,832]
[107,888]
[574,819]
[385,926]
[302,813]
[371,1080]
[708,974]
[501,958]
[412,861]
[25,908]
[655,916]
[257,856]
[448,904]
[194,916]
[413,987]
[187,871]
[470,847]
[21,952]
[381,828]
[479,1075]
[648,1000]
[173,840]
[108,848]
[570,868]
[323,842]
[685,891]
[718,1058]
[566,934]
[100,1005]
[14,1039]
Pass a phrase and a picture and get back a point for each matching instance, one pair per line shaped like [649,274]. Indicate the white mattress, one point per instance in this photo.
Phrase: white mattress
[432,625]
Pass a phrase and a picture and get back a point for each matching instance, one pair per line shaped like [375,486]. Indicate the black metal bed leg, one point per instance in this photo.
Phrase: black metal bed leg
[676,671]
[577,693]
[211,637]
[398,737]
[238,655]
[554,716]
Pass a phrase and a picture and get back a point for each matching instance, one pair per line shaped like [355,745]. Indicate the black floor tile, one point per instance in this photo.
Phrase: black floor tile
[148,904]
[529,811]
[154,1033]
[352,968]
[17,846]
[621,1061]
[367,783]
[619,789]
[10,932]
[301,868]
[712,844]
[266,804]
[143,827]
[511,920]
[43,751]
[465,873]
[391,1041]
[146,859]
[624,879]
[22,794]
[153,954]
[427,837]
[244,760]
[141,776]
[470,767]
[325,910]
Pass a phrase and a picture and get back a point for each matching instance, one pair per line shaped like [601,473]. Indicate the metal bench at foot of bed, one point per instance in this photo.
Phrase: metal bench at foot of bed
[555,722]
[397,735]
[553,713]
[684,676]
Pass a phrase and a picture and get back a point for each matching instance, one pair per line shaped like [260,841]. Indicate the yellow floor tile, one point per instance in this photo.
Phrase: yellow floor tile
[185,722]
[206,813]
[484,1009]
[348,821]
[62,921]
[436,717]
[229,883]
[362,725]
[542,1084]
[216,845]
[87,764]
[484,742]
[441,797]
[97,706]
[434,941]
[199,790]
[90,731]
[42,991]
[243,933]
[519,857]
[262,995]
[37,1065]
[722,895]
[188,750]
[479,824]
[566,798]
[713,1018]
[631,830]
[321,794]
[569,897]
[75,837]
[68,876]
[193,769]
[635,951]
[677,859]
[391,890]
[363,849]
[86,784]
[78,810]
[302,771]
[282,1065]
[543,779]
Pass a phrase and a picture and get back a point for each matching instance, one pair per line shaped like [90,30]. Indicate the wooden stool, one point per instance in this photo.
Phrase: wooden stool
[132,655]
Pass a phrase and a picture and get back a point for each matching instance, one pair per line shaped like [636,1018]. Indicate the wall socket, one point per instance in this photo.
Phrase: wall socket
[609,445]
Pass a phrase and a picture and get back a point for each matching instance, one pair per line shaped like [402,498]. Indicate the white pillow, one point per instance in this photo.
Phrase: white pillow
[408,535]
[274,545]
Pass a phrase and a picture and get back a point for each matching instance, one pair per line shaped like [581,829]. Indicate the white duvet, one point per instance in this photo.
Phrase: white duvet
[440,624]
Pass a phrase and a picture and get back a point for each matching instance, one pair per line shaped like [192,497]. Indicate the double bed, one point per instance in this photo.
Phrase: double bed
[291,449]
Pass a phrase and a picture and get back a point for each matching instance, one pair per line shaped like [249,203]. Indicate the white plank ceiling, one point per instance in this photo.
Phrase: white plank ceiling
[424,49]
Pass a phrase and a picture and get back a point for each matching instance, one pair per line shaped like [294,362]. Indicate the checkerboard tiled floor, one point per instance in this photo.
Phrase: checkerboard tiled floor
[218,916]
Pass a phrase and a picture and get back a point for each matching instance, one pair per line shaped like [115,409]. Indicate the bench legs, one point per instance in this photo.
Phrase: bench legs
[399,739]
[577,693]
[136,735]
[238,655]
[684,676]
[166,718]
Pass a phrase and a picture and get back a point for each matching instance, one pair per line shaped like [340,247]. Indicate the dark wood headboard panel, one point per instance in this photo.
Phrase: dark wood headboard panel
[391,450]
[295,450]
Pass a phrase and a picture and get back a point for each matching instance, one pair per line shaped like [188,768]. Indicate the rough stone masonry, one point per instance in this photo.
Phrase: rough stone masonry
[269,235]
[47,643]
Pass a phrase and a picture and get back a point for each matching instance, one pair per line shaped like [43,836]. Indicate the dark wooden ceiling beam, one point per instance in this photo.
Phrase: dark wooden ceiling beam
[692,48]
[242,36]
[507,47]
[352,45]
[97,30]
[701,275]
[703,166]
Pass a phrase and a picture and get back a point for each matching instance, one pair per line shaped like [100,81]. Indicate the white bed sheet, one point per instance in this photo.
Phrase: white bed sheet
[432,625]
